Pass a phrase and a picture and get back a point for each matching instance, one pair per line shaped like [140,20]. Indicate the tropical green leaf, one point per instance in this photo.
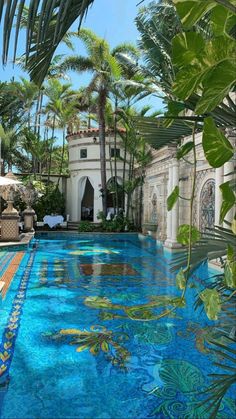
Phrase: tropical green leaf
[174,108]
[230,268]
[184,149]
[217,148]
[230,253]
[188,79]
[217,87]
[191,11]
[172,198]
[184,233]
[187,46]
[212,304]
[2,132]
[230,274]
[233,226]
[222,20]
[181,280]
[229,200]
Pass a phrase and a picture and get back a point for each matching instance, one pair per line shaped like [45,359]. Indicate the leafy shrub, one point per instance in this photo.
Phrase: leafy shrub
[118,224]
[51,202]
[85,226]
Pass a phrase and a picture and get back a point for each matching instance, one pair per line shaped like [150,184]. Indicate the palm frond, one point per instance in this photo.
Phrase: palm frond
[77,63]
[114,66]
[212,245]
[55,19]
[126,48]
[92,41]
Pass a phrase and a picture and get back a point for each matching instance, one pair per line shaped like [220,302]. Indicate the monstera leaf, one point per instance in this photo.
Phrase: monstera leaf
[172,198]
[186,47]
[180,279]
[211,300]
[217,148]
[184,233]
[184,149]
[200,65]
[229,200]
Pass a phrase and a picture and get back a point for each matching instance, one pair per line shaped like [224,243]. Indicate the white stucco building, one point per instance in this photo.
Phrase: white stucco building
[162,175]
[165,172]
[84,185]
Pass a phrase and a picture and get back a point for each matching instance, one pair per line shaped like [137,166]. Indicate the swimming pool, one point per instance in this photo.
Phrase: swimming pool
[79,337]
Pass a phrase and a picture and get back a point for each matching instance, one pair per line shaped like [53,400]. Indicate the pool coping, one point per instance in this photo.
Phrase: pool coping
[25,239]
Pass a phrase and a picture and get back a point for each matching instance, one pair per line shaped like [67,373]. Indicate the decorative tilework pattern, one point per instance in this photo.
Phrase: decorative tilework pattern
[11,330]
[10,271]
[5,259]
[10,229]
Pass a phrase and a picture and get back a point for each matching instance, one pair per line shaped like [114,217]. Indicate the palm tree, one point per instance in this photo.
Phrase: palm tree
[9,148]
[58,95]
[101,62]
[67,115]
[137,152]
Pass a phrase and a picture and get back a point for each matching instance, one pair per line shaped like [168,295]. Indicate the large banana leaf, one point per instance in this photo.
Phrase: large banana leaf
[55,19]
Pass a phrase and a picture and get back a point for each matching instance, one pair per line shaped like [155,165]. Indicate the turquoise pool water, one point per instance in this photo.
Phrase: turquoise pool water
[75,326]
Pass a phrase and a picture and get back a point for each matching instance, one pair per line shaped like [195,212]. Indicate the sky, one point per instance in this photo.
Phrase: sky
[110,19]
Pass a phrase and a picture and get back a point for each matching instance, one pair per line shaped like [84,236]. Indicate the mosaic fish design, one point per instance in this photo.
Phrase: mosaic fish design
[140,312]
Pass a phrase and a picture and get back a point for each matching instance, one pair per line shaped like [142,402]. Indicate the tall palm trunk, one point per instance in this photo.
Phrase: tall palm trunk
[115,157]
[131,173]
[62,156]
[51,148]
[124,169]
[111,170]
[102,142]
[140,218]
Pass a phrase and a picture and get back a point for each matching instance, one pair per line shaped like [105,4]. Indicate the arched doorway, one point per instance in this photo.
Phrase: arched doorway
[87,201]
[207,205]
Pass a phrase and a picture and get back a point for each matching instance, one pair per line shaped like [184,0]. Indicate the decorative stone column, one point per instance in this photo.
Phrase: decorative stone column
[74,197]
[229,168]
[173,215]
[29,217]
[219,179]
[175,210]
[169,216]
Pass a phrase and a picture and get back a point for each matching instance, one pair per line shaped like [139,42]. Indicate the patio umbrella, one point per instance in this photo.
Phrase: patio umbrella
[6,181]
